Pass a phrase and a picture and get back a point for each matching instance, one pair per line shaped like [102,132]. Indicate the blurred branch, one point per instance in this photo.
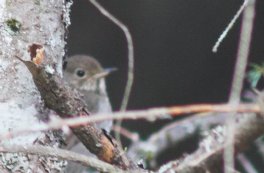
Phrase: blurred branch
[209,156]
[238,77]
[246,164]
[149,114]
[260,148]
[173,134]
[61,154]
[134,137]
[130,48]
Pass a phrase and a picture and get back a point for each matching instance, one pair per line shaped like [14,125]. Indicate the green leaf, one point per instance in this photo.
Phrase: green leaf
[255,74]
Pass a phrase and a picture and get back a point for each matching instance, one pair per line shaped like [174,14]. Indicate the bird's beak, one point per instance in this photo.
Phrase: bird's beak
[105,73]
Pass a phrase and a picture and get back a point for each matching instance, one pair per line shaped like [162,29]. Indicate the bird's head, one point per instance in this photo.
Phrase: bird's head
[85,73]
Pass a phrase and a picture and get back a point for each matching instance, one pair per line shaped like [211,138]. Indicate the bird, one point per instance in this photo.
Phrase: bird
[85,74]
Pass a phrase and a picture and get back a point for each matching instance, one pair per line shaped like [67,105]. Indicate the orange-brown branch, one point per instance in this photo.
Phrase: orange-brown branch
[149,114]
[178,110]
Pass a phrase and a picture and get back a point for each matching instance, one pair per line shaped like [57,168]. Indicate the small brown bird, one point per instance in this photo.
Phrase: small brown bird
[85,74]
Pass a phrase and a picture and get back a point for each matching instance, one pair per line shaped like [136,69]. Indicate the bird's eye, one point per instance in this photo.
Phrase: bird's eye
[80,72]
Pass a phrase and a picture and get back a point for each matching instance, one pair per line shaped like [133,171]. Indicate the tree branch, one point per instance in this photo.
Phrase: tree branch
[66,102]
[238,77]
[172,135]
[209,156]
[149,114]
[61,154]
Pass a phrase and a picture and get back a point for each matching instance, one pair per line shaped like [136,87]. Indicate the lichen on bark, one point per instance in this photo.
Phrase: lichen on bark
[23,23]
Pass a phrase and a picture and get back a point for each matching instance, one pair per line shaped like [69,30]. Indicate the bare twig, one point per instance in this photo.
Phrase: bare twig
[149,114]
[61,154]
[130,48]
[228,28]
[134,137]
[173,135]
[239,74]
[246,164]
[208,158]
[243,51]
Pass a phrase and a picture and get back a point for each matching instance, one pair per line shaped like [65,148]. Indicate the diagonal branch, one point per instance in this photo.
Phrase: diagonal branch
[66,102]
[229,26]
[61,154]
[209,156]
[173,135]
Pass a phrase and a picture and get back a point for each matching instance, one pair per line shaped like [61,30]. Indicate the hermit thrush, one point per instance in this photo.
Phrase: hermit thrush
[85,74]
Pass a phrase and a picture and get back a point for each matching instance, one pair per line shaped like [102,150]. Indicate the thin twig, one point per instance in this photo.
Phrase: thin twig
[209,156]
[149,114]
[243,51]
[174,134]
[130,48]
[134,137]
[229,26]
[61,154]
[246,164]
[239,74]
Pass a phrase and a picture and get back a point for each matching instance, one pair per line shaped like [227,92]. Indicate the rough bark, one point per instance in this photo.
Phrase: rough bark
[66,102]
[23,23]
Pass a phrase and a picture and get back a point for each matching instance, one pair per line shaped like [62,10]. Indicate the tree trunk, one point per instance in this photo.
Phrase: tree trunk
[24,23]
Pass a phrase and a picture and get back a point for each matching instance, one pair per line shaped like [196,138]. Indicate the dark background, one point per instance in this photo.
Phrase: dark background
[173,39]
